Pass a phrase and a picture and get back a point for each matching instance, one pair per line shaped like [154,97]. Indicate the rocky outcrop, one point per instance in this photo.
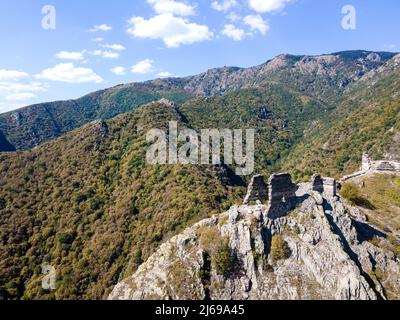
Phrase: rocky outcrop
[319,250]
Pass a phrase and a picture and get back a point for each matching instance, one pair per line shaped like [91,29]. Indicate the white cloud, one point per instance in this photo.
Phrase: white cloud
[233,32]
[67,72]
[17,91]
[98,39]
[164,74]
[16,86]
[256,23]
[13,75]
[106,54]
[223,5]
[173,7]
[70,55]
[263,6]
[20,96]
[7,88]
[174,31]
[101,27]
[119,71]
[234,17]
[116,47]
[143,67]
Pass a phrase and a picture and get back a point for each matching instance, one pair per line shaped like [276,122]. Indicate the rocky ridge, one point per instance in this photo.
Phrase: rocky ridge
[318,248]
[323,77]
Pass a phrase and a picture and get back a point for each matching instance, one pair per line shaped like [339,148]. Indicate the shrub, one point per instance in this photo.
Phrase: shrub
[222,259]
[2,203]
[80,198]
[67,238]
[279,248]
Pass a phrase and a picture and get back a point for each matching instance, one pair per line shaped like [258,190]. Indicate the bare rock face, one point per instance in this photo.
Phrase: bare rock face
[319,250]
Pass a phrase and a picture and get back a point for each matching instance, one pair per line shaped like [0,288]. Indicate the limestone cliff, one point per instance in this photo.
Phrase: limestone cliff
[317,248]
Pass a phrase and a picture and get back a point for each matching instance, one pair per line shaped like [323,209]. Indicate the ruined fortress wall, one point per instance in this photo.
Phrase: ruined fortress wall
[324,185]
[379,166]
[369,166]
[257,190]
[382,166]
[282,195]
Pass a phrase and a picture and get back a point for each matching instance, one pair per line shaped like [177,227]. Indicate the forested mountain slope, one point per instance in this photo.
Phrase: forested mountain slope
[322,77]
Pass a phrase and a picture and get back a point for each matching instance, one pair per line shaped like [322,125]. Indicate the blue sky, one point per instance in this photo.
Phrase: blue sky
[98,44]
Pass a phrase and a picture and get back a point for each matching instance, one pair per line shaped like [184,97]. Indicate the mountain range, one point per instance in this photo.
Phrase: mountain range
[322,77]
[77,193]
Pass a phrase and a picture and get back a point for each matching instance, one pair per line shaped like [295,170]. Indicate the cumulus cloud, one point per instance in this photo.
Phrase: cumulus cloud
[67,72]
[7,88]
[106,54]
[263,6]
[116,47]
[101,27]
[119,71]
[98,39]
[233,32]
[143,67]
[223,5]
[13,75]
[66,55]
[173,7]
[234,17]
[174,31]
[18,89]
[164,74]
[256,23]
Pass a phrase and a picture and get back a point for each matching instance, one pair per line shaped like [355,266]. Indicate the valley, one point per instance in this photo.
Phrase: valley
[76,191]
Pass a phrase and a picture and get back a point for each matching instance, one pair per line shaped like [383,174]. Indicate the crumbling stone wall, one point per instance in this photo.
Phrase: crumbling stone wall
[280,191]
[369,167]
[317,183]
[257,190]
[330,187]
[326,186]
[282,195]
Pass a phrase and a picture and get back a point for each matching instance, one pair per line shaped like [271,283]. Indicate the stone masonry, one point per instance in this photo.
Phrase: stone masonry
[257,190]
[281,194]
[369,166]
[324,185]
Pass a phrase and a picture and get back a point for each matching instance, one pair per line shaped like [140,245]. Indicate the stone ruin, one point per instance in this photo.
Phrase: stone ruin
[257,190]
[369,166]
[326,186]
[380,165]
[280,192]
